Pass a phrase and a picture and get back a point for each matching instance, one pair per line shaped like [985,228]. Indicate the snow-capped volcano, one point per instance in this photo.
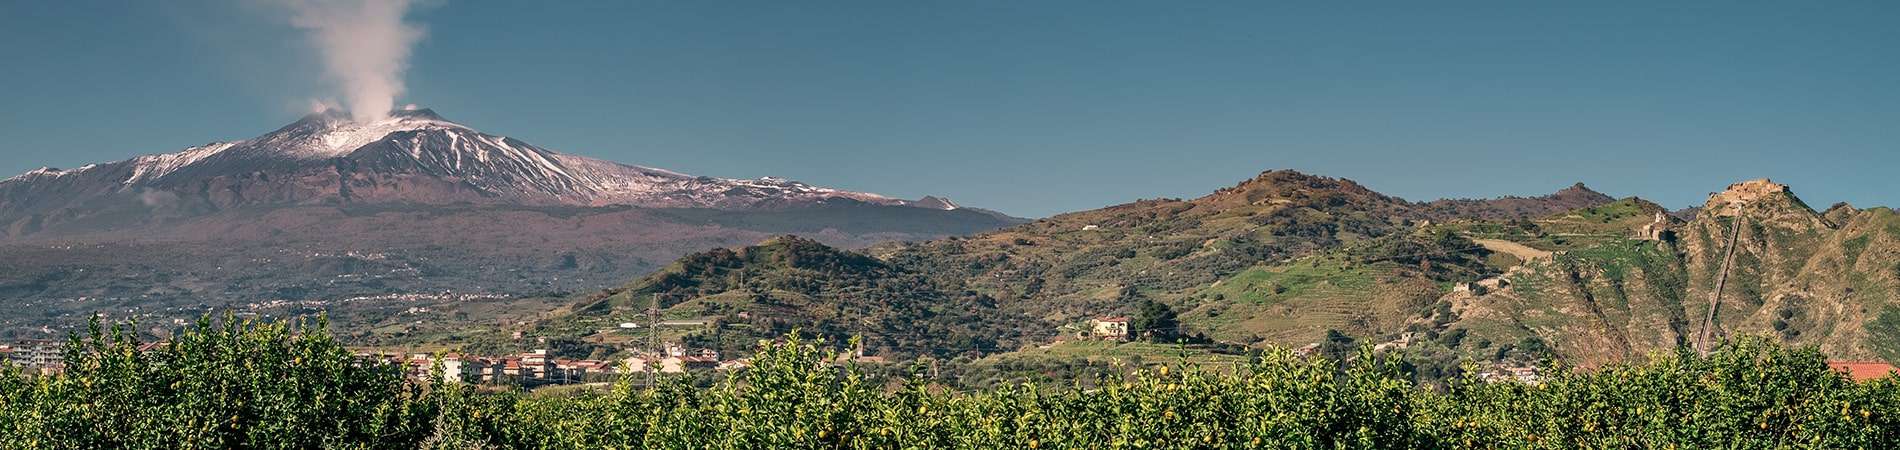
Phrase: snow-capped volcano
[411,156]
[442,206]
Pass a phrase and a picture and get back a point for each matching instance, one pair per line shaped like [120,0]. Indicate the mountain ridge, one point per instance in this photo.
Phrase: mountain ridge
[1288,259]
[1513,207]
[413,156]
[325,209]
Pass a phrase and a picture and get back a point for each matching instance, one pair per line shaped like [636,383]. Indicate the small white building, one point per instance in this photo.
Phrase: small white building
[1109,327]
[452,369]
[636,364]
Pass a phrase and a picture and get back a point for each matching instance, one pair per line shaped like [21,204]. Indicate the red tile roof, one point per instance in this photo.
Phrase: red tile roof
[1863,370]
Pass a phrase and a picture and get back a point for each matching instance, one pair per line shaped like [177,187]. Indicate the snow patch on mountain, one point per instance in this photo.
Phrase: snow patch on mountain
[42,172]
[150,167]
[47,173]
[417,142]
[332,134]
[935,202]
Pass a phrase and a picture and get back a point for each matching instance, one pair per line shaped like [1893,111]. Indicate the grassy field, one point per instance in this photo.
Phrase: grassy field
[1295,303]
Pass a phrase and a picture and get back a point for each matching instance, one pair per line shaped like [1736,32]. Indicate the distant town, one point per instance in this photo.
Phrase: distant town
[537,368]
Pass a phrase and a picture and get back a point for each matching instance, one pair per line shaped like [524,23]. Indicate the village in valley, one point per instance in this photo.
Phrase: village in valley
[528,369]
[631,352]
[538,368]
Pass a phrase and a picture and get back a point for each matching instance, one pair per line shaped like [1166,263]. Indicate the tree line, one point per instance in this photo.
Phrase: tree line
[249,384]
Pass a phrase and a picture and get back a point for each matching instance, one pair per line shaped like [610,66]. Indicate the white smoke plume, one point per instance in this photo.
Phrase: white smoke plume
[365,48]
[321,105]
[153,198]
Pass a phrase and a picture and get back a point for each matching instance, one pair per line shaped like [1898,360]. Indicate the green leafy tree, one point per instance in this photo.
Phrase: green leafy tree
[1154,321]
[243,384]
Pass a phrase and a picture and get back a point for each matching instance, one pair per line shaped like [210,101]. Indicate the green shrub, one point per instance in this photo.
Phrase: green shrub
[238,384]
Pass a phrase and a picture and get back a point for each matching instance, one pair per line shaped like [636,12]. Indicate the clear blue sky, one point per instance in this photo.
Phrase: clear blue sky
[1040,107]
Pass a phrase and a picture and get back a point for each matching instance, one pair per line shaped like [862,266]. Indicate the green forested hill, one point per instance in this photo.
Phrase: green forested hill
[1374,288]
[729,299]
[1074,266]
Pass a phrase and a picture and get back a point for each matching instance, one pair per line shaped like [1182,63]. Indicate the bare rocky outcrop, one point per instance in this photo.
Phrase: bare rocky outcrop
[1762,200]
[1794,274]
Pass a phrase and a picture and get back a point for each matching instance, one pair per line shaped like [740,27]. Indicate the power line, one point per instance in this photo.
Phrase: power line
[653,333]
[1715,298]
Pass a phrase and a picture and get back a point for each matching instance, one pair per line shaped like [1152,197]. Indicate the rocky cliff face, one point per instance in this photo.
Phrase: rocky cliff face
[1793,274]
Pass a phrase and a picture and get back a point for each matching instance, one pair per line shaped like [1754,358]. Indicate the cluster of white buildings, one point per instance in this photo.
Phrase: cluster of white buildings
[1521,374]
[423,296]
[1108,328]
[538,367]
[35,356]
[45,357]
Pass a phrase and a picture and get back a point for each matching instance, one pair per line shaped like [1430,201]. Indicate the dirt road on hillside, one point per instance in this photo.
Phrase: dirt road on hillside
[1521,251]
